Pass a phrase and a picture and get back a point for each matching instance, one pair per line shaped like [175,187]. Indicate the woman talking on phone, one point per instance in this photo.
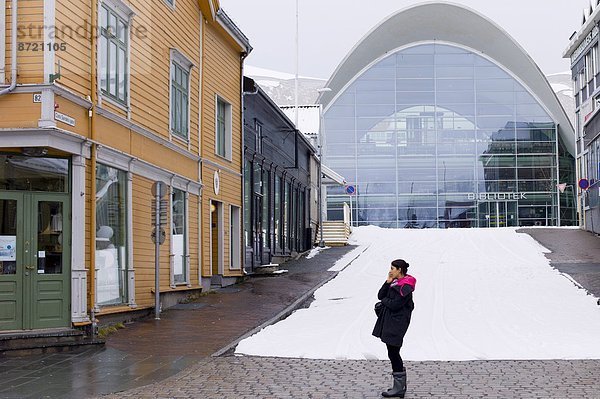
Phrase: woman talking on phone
[393,320]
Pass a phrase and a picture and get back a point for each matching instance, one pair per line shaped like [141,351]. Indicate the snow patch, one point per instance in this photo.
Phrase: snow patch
[480,294]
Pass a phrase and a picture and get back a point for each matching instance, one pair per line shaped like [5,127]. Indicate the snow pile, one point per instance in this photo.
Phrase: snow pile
[315,251]
[481,294]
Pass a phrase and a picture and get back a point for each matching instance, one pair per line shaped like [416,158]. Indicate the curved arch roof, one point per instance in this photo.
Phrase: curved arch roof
[450,23]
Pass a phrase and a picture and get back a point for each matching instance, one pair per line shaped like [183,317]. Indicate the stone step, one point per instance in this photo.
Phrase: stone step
[43,341]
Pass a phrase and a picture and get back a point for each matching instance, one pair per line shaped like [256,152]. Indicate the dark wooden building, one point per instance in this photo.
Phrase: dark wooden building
[280,182]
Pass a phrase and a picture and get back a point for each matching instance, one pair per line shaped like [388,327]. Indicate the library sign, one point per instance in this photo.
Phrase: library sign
[496,196]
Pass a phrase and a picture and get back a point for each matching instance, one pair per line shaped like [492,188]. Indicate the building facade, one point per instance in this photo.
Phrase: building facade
[280,178]
[583,53]
[100,101]
[439,119]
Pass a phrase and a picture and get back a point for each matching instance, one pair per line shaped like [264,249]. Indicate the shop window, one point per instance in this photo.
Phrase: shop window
[111,235]
[178,236]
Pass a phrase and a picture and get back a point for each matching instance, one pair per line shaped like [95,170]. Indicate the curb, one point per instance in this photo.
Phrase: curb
[287,311]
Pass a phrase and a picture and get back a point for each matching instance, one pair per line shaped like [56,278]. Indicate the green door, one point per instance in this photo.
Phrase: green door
[11,261]
[34,288]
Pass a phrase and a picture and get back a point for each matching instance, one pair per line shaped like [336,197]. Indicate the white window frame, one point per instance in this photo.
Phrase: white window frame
[595,59]
[3,41]
[129,297]
[177,57]
[228,127]
[235,245]
[126,13]
[589,66]
[186,247]
[258,128]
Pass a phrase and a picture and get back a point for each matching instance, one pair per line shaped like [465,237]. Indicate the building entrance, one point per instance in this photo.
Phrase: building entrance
[34,260]
[498,214]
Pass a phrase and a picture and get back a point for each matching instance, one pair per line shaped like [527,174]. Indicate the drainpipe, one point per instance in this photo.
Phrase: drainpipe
[13,50]
[94,149]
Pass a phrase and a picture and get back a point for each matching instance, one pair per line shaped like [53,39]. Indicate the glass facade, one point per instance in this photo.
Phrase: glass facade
[437,136]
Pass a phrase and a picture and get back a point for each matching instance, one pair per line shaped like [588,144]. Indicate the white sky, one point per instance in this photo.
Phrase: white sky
[329,29]
[480,294]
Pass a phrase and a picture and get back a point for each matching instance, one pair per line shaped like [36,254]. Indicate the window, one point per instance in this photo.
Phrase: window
[178,236]
[258,137]
[247,196]
[111,235]
[234,237]
[589,66]
[266,186]
[277,214]
[223,129]
[286,216]
[113,59]
[595,59]
[171,3]
[180,95]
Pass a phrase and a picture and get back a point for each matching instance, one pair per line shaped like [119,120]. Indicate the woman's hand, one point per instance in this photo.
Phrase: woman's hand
[390,278]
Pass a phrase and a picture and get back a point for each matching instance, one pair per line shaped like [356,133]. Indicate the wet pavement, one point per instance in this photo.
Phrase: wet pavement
[259,377]
[171,358]
[574,252]
[151,350]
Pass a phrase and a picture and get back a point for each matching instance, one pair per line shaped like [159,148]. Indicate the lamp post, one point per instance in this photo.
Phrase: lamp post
[320,141]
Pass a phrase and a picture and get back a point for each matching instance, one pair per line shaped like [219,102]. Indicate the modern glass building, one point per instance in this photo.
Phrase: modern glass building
[439,119]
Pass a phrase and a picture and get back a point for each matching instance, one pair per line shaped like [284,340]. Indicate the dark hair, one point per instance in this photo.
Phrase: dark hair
[402,265]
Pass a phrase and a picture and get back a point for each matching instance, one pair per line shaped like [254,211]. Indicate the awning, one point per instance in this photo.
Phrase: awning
[331,177]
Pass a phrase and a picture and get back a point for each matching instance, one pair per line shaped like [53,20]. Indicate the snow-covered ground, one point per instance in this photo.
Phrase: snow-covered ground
[480,294]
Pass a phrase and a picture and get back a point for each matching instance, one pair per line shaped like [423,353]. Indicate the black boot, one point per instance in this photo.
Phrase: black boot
[399,388]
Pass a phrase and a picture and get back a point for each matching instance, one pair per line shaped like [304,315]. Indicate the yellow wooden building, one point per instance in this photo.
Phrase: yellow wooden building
[103,99]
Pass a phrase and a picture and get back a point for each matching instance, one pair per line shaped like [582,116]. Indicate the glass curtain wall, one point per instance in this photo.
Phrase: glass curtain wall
[438,136]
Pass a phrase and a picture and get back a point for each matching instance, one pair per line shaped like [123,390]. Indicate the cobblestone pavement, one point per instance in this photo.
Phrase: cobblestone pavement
[257,377]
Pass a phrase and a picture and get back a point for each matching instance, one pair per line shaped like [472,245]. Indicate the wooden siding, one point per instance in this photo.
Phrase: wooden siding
[30,36]
[123,139]
[192,218]
[143,253]
[221,77]
[18,111]
[180,28]
[165,28]
[143,247]
[229,194]
[73,19]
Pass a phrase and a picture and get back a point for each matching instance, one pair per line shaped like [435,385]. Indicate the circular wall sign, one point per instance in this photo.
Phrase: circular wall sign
[584,184]
[216,182]
[350,190]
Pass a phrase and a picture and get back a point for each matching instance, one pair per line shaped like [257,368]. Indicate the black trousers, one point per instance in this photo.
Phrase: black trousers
[394,356]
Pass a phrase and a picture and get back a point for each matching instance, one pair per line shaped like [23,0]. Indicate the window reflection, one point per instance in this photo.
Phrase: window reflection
[111,235]
[23,173]
[431,132]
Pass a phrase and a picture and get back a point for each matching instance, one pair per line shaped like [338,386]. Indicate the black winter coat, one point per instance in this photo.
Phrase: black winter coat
[394,320]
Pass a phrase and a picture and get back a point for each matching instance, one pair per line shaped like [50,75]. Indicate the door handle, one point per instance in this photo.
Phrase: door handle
[29,267]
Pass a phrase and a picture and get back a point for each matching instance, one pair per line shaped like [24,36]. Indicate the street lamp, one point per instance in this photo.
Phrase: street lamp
[320,138]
